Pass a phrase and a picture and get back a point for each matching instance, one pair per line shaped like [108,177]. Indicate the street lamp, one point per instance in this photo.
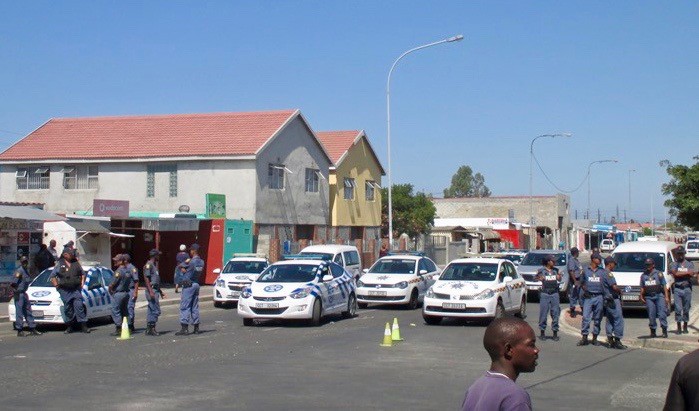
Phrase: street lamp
[531,181]
[631,170]
[453,39]
[588,181]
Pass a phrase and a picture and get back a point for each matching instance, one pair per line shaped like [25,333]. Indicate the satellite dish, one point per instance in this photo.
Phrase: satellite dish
[183,208]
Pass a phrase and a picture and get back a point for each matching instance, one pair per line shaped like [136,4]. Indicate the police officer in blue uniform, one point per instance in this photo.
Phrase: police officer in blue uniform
[549,298]
[180,258]
[612,306]
[23,309]
[153,291]
[189,304]
[683,271]
[574,271]
[69,277]
[593,299]
[656,297]
[133,290]
[119,289]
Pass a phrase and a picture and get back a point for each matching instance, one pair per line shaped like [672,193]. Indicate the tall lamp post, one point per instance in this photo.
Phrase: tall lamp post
[531,182]
[388,126]
[588,181]
[631,170]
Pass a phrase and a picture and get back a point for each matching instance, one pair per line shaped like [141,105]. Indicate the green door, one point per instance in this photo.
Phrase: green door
[237,238]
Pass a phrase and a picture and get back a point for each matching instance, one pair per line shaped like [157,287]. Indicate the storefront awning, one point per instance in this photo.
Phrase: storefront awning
[90,226]
[27,213]
[486,234]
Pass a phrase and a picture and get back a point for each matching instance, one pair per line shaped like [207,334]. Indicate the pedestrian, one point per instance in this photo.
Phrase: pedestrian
[593,299]
[119,289]
[511,345]
[549,297]
[43,259]
[153,291]
[133,290]
[614,326]
[189,304]
[53,251]
[23,308]
[683,392]
[574,271]
[683,271]
[655,296]
[69,277]
[383,251]
[180,258]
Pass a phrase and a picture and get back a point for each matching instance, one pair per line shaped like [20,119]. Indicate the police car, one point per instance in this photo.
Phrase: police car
[397,279]
[299,289]
[46,303]
[476,288]
[239,272]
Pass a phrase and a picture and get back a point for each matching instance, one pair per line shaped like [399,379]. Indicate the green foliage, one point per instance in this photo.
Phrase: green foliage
[684,191]
[647,231]
[465,184]
[413,214]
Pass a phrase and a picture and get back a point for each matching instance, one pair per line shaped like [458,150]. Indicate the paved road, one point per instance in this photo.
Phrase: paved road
[338,365]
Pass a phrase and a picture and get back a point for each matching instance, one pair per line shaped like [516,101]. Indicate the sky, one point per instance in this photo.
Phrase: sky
[620,76]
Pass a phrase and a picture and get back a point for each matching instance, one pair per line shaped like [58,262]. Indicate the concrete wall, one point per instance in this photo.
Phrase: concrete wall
[297,149]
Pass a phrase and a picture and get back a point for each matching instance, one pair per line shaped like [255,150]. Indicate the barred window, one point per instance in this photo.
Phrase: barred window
[349,188]
[33,178]
[369,187]
[312,180]
[276,176]
[80,177]
[151,171]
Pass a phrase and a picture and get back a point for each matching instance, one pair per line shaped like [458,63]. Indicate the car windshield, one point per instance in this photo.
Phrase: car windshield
[694,245]
[288,273]
[325,256]
[470,272]
[538,258]
[42,280]
[393,266]
[635,262]
[515,258]
[250,267]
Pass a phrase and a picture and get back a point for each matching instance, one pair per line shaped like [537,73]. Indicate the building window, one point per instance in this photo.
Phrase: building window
[276,176]
[80,177]
[369,186]
[150,183]
[349,188]
[173,182]
[312,180]
[151,171]
[33,178]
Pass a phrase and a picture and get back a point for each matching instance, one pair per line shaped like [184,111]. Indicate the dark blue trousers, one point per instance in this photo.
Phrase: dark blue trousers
[549,303]
[615,320]
[189,305]
[119,307]
[73,306]
[657,310]
[23,311]
[683,302]
[592,311]
[153,308]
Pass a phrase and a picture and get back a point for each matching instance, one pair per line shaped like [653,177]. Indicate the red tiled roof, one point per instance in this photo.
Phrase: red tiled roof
[337,143]
[178,135]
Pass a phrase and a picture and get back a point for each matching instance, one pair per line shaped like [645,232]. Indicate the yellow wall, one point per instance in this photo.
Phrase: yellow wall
[361,165]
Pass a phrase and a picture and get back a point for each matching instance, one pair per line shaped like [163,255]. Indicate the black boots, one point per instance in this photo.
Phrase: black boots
[132,329]
[150,330]
[21,333]
[679,328]
[196,329]
[542,335]
[184,330]
[555,336]
[594,340]
[69,330]
[117,332]
[572,313]
[84,329]
[652,333]
[618,345]
[684,328]
[584,341]
[664,332]
[34,332]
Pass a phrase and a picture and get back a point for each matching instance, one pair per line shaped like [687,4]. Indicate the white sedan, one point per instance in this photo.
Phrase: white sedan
[46,303]
[238,273]
[397,279]
[476,288]
[299,289]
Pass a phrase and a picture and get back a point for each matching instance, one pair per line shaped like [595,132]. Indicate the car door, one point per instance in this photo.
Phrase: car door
[506,294]
[516,285]
[107,277]
[336,292]
[423,283]
[91,296]
[433,271]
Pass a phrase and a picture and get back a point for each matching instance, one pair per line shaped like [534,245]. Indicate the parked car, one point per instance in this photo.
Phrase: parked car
[692,250]
[238,273]
[607,245]
[533,261]
[346,256]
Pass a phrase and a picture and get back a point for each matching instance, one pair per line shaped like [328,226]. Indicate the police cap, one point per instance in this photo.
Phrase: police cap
[609,260]
[574,250]
[680,250]
[117,257]
[548,258]
[194,246]
[154,253]
[649,261]
[125,257]
[597,256]
[68,250]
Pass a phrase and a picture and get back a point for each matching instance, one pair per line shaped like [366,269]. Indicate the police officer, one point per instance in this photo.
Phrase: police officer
[574,271]
[593,295]
[189,304]
[656,297]
[23,309]
[133,290]
[549,299]
[119,289]
[180,258]
[153,291]
[683,271]
[612,306]
[69,277]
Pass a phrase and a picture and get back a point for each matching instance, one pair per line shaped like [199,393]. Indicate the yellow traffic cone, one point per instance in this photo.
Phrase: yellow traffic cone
[387,341]
[395,333]
[125,332]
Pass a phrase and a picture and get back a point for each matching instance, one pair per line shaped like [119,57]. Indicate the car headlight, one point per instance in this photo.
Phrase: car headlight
[303,293]
[485,295]
[430,293]
[402,285]
[220,282]
[360,283]
[247,293]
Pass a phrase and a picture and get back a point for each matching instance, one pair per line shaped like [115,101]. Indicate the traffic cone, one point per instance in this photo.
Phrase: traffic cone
[125,332]
[395,332]
[387,341]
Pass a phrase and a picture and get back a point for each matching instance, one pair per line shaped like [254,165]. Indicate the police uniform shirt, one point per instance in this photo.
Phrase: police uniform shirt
[133,272]
[21,280]
[122,280]
[652,282]
[609,281]
[683,267]
[150,271]
[195,268]
[593,280]
[575,266]
[549,280]
[61,269]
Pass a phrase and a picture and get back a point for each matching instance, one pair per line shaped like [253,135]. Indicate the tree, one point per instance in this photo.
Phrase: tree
[684,191]
[413,214]
[465,184]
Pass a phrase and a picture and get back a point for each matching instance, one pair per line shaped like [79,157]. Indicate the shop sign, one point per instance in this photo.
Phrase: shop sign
[215,205]
[110,208]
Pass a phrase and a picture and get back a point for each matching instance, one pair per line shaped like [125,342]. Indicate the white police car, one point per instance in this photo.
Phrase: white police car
[238,273]
[299,289]
[397,279]
[476,288]
[46,303]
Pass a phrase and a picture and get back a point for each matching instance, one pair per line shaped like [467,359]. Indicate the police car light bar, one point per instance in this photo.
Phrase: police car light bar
[257,255]
[415,253]
[305,257]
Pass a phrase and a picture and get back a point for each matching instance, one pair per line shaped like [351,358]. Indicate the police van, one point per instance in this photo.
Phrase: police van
[630,263]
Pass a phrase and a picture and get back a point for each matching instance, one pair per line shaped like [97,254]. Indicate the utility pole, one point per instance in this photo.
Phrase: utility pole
[625,220]
[617,211]
[576,214]
[599,216]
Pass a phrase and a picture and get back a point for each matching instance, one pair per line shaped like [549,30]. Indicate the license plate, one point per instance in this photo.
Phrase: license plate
[234,294]
[37,314]
[533,287]
[377,293]
[630,297]
[267,305]
[454,306]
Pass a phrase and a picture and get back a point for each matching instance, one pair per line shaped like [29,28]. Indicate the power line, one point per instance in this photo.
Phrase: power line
[587,175]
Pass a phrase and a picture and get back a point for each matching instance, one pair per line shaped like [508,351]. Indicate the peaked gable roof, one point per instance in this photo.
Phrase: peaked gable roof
[338,144]
[153,136]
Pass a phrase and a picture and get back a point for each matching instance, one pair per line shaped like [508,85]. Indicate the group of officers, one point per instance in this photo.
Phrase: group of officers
[69,277]
[596,291]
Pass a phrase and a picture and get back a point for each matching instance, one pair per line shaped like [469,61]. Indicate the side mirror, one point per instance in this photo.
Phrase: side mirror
[422,272]
[366,270]
[217,271]
[327,277]
[507,279]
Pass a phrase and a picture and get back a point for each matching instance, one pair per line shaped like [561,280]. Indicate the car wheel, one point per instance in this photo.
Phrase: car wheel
[248,322]
[362,305]
[522,313]
[218,304]
[430,320]
[315,320]
[351,307]
[499,311]
[413,303]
